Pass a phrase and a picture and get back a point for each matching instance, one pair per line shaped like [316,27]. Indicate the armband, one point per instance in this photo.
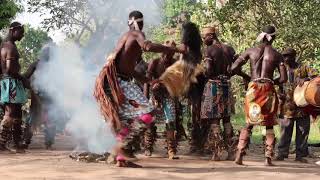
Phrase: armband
[146,45]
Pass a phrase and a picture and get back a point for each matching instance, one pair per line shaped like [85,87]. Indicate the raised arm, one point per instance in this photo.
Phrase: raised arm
[148,46]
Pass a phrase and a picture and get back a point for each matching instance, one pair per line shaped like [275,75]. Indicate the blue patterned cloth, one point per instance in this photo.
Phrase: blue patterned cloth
[12,91]
[216,100]
[169,109]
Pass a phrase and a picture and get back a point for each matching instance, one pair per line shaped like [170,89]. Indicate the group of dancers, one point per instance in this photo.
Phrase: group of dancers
[201,75]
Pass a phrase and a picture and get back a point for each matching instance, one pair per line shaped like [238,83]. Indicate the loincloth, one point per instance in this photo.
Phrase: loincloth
[12,91]
[261,103]
[216,99]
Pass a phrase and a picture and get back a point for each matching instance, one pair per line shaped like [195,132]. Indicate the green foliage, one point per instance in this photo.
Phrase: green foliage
[240,21]
[297,23]
[31,44]
[8,9]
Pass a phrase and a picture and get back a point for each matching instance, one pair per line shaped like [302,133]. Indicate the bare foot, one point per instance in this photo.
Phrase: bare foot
[147,153]
[302,160]
[268,162]
[127,164]
[239,159]
[173,157]
[215,158]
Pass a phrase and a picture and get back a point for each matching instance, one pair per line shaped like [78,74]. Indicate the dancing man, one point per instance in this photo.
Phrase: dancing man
[122,101]
[216,99]
[261,101]
[156,68]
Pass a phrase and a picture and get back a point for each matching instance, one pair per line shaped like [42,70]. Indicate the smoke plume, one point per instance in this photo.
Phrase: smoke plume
[69,76]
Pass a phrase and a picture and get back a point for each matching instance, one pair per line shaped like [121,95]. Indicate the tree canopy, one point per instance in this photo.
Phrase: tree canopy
[30,46]
[8,9]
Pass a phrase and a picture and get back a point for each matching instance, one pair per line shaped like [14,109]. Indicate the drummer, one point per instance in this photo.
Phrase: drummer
[297,75]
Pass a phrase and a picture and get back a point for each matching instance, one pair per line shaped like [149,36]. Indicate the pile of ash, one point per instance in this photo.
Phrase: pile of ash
[89,157]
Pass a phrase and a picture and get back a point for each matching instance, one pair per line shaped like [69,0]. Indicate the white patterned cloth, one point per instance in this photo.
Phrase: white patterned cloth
[136,104]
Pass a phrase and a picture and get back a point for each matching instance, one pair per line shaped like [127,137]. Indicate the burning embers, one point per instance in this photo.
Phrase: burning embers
[89,157]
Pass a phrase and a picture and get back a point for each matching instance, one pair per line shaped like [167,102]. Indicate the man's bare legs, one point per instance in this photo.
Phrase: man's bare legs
[11,120]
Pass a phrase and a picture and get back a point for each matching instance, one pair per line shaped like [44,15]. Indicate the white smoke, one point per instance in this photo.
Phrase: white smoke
[69,76]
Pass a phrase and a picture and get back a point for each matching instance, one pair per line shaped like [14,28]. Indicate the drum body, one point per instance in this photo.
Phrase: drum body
[308,94]
[312,92]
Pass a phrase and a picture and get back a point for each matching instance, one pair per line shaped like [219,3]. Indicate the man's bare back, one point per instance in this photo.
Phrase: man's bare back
[264,60]
[220,58]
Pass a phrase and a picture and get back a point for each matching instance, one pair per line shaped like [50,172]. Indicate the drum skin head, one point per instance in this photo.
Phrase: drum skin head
[299,95]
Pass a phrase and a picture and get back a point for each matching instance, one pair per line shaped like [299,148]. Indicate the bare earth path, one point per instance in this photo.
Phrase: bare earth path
[40,164]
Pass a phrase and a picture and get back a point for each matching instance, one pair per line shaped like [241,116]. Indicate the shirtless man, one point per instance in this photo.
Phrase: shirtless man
[13,94]
[216,101]
[40,103]
[261,101]
[156,68]
[122,102]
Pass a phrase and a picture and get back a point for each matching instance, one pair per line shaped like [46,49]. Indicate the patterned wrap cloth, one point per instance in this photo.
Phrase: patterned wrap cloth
[261,103]
[290,109]
[169,109]
[136,104]
[216,100]
[12,91]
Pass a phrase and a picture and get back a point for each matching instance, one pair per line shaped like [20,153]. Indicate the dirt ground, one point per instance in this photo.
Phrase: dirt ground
[41,164]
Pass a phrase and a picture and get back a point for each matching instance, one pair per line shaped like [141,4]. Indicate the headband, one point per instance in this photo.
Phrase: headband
[135,22]
[209,30]
[265,35]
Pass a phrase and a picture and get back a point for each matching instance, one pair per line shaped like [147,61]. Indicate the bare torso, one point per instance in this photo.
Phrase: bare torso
[263,62]
[220,58]
[130,54]
[9,52]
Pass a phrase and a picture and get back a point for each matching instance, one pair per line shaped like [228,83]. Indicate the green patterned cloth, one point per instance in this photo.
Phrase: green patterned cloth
[12,91]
